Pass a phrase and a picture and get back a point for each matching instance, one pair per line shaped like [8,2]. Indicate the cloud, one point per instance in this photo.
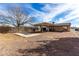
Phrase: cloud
[48,6]
[45,16]
[54,11]
[72,16]
[61,8]
[57,10]
[50,11]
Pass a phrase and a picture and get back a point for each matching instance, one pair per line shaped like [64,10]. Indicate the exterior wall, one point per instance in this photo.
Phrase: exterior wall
[4,29]
[69,28]
[53,28]
[37,29]
[62,28]
[14,29]
[22,29]
[58,28]
[28,29]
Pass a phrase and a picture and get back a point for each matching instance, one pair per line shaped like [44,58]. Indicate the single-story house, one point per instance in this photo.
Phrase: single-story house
[40,27]
[52,27]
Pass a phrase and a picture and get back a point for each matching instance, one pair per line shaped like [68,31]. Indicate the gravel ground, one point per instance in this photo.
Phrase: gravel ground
[46,44]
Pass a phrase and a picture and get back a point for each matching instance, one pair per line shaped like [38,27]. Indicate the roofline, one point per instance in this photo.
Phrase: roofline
[57,24]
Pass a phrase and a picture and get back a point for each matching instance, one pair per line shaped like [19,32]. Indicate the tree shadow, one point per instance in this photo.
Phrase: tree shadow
[67,46]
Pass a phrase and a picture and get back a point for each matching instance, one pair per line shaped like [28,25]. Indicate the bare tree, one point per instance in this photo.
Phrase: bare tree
[17,17]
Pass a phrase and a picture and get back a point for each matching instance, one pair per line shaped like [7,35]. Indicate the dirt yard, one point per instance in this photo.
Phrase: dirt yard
[46,44]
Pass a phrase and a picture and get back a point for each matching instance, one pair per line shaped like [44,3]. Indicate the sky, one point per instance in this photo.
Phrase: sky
[47,12]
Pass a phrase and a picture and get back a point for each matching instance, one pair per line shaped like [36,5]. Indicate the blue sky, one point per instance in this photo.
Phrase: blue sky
[47,12]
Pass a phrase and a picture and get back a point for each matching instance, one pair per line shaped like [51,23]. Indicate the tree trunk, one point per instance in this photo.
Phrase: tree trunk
[17,29]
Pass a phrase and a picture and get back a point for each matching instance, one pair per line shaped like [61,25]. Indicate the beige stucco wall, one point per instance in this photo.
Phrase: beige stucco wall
[62,28]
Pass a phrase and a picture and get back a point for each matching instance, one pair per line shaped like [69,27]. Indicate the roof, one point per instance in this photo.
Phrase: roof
[51,24]
[74,27]
[63,24]
[43,24]
[6,25]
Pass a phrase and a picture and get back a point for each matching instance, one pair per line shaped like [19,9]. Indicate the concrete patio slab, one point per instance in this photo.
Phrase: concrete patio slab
[26,35]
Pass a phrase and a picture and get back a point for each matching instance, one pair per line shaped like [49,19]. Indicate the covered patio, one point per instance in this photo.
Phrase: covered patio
[44,27]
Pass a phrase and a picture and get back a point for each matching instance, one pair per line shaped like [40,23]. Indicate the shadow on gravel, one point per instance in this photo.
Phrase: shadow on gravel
[68,46]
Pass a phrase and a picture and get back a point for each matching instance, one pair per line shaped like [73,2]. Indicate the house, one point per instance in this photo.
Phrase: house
[52,27]
[75,28]
[40,27]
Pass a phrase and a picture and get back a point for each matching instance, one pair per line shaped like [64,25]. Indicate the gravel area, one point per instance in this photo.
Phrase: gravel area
[45,44]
